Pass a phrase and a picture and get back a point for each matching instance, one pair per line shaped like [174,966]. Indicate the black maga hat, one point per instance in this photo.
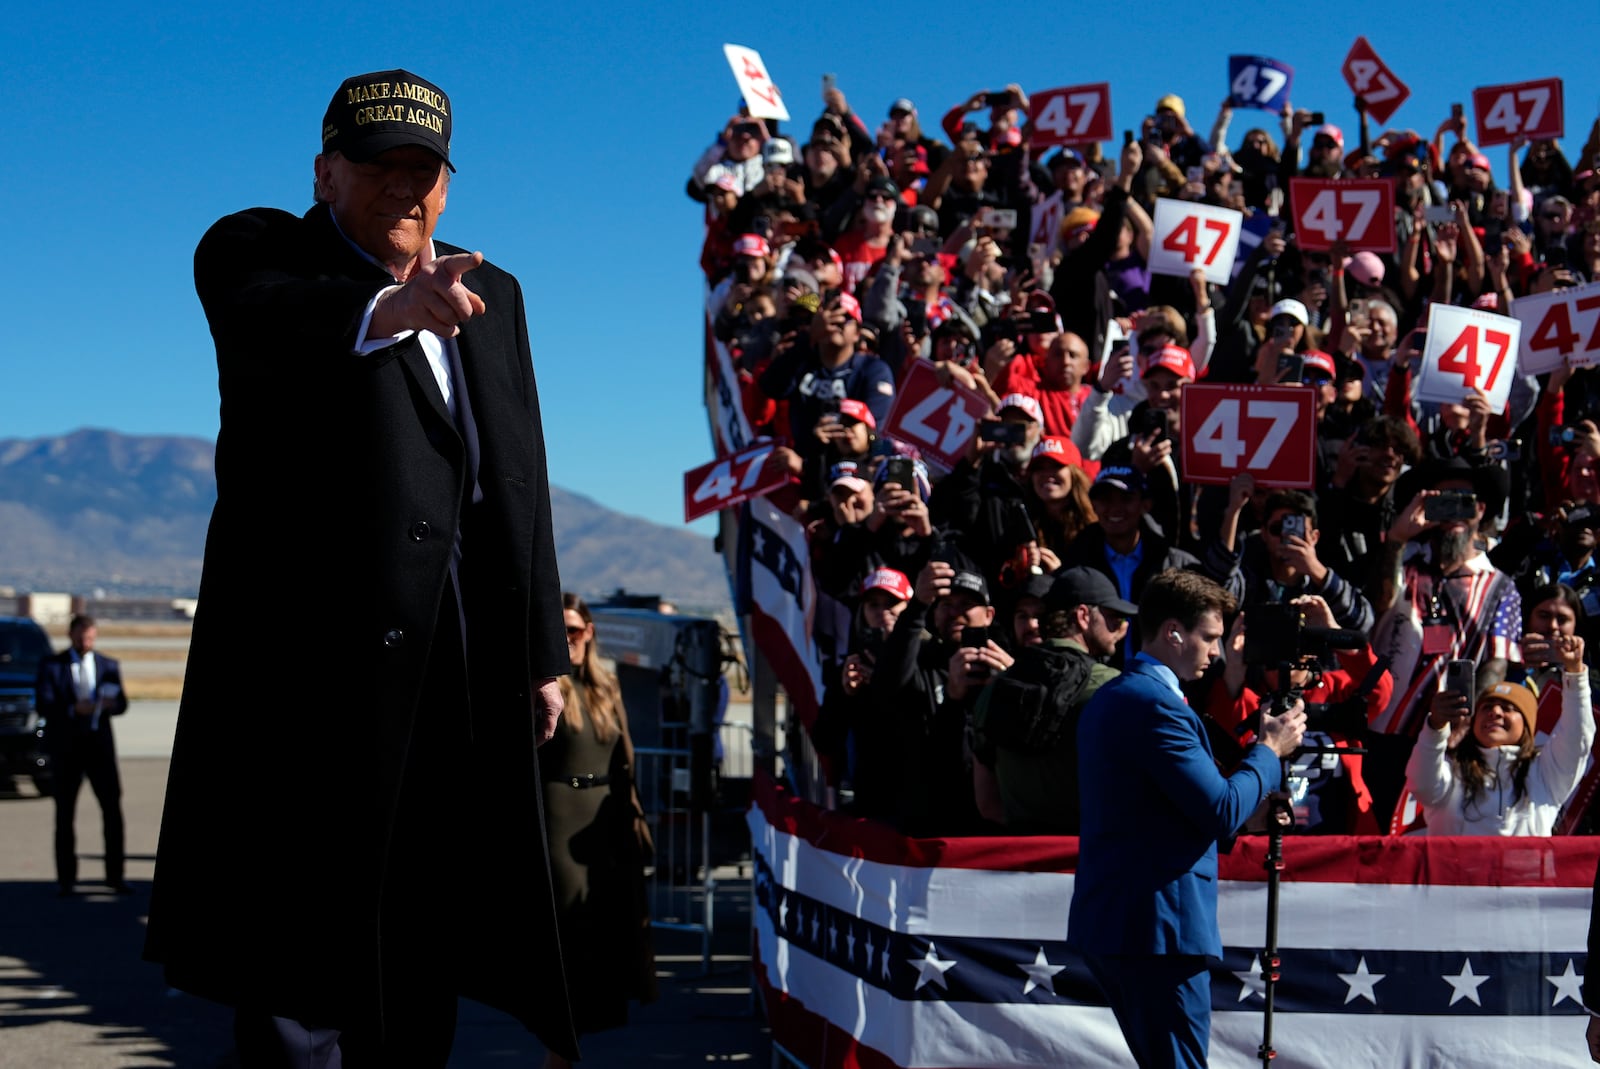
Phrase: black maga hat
[372,113]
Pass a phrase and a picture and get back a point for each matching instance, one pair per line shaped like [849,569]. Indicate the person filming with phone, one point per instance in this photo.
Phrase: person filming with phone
[1498,780]
[1439,597]
[931,666]
[982,493]
[1280,561]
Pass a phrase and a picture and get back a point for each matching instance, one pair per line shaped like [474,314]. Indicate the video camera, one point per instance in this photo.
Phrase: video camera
[1276,635]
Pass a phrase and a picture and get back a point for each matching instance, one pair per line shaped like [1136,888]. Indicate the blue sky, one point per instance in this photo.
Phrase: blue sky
[132,127]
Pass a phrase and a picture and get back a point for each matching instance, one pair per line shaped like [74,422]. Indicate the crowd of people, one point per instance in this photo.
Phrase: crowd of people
[1432,597]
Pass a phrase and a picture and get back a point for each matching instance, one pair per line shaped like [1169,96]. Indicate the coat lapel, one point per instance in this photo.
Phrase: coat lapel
[350,263]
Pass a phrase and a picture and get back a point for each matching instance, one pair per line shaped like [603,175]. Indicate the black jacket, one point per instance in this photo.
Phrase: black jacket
[344,474]
[914,746]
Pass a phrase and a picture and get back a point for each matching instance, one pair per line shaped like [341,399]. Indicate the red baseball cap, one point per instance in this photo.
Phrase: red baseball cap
[858,411]
[1316,358]
[852,308]
[887,579]
[1055,449]
[1175,358]
[751,245]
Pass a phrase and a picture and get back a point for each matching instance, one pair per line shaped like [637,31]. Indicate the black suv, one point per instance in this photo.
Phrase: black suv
[23,644]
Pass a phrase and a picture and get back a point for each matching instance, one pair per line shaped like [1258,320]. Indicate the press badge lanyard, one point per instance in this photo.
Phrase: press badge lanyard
[1440,626]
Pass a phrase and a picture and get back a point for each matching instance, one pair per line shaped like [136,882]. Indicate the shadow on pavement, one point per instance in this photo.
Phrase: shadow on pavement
[73,990]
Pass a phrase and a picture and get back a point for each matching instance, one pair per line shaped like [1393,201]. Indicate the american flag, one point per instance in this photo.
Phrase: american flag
[879,951]
[776,590]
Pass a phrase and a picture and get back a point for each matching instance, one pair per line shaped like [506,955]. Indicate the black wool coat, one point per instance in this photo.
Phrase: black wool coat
[340,479]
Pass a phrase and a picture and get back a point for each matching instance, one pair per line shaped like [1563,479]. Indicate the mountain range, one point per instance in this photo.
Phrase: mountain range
[95,510]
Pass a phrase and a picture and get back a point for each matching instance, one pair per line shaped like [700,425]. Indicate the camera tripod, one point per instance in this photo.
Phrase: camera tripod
[1280,814]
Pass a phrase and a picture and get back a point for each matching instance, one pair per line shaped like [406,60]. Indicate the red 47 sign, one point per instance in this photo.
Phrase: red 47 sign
[1526,109]
[1371,79]
[1074,115]
[1468,349]
[1359,211]
[939,420]
[1190,235]
[727,482]
[1268,431]
[1562,326]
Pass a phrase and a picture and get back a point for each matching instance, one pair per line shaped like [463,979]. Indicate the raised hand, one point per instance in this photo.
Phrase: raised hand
[434,299]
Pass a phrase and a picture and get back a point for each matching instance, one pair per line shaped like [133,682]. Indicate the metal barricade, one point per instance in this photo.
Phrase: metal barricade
[681,888]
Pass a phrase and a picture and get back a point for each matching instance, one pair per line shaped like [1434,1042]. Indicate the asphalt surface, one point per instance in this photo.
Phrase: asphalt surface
[74,993]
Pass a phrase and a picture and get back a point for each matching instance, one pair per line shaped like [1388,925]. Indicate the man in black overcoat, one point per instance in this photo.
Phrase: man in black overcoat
[354,840]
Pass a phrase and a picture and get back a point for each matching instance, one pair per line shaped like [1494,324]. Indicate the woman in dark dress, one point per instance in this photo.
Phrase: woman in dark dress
[597,841]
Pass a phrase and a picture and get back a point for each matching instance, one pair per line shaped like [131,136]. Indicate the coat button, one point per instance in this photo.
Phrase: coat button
[394,637]
[420,530]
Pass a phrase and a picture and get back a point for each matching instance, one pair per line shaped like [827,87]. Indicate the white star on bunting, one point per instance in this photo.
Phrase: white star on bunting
[1465,984]
[930,968]
[1040,973]
[1361,983]
[1568,985]
[1252,982]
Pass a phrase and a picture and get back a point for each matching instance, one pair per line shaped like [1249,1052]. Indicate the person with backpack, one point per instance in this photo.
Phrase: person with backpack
[1026,720]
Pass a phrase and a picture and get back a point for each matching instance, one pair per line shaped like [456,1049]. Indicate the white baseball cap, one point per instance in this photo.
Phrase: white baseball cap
[1291,307]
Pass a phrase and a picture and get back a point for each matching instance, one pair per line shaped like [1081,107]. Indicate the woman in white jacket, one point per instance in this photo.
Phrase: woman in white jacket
[1498,781]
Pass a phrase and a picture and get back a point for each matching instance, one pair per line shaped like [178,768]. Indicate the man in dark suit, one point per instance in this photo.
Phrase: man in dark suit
[78,692]
[1144,900]
[341,860]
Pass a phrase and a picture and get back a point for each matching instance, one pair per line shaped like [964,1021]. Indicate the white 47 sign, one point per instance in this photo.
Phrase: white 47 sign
[1559,327]
[1267,431]
[1190,235]
[1468,350]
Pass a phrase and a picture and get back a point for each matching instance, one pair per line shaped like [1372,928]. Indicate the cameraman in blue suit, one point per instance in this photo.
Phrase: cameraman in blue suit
[1144,903]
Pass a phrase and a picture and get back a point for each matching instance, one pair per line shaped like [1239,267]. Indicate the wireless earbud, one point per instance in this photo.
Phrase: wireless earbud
[1173,635]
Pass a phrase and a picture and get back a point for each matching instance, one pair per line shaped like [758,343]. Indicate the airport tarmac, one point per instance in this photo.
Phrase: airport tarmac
[74,993]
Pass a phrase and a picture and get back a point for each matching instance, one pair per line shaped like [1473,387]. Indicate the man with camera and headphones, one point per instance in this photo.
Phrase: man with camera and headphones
[1154,806]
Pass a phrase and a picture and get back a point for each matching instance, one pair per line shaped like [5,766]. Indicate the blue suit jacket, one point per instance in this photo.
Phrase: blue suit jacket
[1154,806]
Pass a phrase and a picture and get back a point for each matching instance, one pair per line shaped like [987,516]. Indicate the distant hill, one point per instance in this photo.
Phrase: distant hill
[127,514]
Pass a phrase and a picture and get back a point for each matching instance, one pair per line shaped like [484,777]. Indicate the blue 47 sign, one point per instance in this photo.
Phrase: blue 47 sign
[1258,82]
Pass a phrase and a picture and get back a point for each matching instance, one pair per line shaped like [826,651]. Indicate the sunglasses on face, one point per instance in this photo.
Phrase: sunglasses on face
[880,196]
[575,632]
[1317,380]
[1113,621]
